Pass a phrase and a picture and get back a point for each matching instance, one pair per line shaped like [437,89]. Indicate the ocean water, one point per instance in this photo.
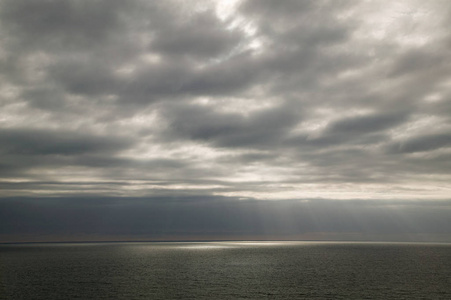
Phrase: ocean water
[225,270]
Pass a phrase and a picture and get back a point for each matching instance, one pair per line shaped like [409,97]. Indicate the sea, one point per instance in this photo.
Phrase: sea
[225,270]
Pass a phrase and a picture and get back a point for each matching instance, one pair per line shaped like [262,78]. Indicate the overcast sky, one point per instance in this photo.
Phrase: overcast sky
[231,117]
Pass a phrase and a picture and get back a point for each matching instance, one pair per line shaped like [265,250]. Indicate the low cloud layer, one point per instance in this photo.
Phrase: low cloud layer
[200,218]
[238,99]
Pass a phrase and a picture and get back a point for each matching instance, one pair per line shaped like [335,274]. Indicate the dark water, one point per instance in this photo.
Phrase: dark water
[225,270]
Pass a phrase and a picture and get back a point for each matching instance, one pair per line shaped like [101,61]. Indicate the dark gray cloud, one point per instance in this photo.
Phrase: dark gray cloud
[64,24]
[365,124]
[419,61]
[224,218]
[253,99]
[51,142]
[28,149]
[201,37]
[265,127]
[422,143]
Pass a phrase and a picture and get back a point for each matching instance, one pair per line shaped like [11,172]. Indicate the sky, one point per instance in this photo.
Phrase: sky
[125,120]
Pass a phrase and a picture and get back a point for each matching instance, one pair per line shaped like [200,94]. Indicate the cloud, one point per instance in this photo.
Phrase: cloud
[264,127]
[422,143]
[51,142]
[202,36]
[365,124]
[62,24]
[200,217]
[250,99]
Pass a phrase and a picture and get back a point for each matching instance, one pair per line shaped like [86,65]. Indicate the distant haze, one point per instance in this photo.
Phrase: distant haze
[165,120]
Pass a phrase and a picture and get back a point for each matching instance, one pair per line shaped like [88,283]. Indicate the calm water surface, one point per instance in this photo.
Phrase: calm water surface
[225,270]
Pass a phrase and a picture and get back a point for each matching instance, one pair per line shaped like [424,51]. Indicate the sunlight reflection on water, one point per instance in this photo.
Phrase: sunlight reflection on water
[240,244]
[205,246]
